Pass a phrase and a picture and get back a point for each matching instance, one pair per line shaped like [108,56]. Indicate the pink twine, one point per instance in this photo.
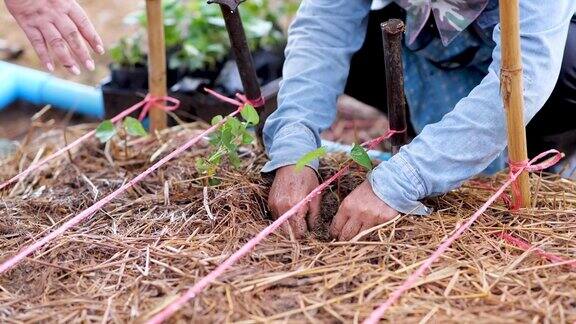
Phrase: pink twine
[520,243]
[212,276]
[242,99]
[257,102]
[158,102]
[97,206]
[529,166]
[483,185]
[148,102]
[516,192]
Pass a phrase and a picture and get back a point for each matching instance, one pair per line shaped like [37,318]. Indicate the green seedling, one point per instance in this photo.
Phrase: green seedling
[358,154]
[310,157]
[107,130]
[226,141]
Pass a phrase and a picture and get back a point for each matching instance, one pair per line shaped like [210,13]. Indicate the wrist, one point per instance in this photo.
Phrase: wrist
[397,184]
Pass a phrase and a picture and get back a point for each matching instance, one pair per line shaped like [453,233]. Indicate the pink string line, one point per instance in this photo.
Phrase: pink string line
[97,206]
[148,102]
[212,276]
[530,166]
[483,185]
[523,245]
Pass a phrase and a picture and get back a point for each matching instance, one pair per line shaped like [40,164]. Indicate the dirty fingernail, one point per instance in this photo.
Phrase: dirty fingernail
[100,49]
[75,70]
[90,65]
[50,67]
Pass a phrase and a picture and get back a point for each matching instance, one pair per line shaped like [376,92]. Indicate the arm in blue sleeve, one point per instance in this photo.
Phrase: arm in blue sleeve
[467,139]
[321,42]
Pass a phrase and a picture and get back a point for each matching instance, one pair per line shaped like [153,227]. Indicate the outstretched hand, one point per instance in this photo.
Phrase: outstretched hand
[289,188]
[361,210]
[60,28]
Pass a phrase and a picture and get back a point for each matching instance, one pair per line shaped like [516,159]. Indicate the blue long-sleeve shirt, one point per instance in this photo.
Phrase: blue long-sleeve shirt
[458,112]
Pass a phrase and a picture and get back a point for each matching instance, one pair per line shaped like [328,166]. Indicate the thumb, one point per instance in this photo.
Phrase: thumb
[298,222]
[314,213]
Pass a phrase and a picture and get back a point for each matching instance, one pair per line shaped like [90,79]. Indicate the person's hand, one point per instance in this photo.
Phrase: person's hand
[289,188]
[60,27]
[361,210]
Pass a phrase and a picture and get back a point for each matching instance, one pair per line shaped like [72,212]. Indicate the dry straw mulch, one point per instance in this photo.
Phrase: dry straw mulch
[159,238]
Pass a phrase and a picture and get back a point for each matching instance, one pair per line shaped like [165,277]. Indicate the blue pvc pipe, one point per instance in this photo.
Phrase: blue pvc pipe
[7,89]
[40,88]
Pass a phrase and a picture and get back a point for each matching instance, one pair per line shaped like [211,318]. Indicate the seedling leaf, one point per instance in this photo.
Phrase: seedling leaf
[134,127]
[234,125]
[227,138]
[247,138]
[216,119]
[214,181]
[234,159]
[201,165]
[215,158]
[105,131]
[309,157]
[360,156]
[250,115]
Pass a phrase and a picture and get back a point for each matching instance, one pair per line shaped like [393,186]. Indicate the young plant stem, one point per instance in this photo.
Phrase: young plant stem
[125,140]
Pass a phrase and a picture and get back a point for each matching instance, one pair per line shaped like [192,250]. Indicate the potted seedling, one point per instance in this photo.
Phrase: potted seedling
[198,55]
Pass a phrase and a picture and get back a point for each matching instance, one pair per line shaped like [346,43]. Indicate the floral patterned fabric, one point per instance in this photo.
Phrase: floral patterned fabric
[451,16]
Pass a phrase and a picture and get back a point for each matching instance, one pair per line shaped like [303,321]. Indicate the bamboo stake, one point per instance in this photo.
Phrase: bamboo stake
[156,61]
[512,92]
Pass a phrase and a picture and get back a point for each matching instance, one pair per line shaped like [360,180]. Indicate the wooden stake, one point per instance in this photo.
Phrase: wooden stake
[156,61]
[512,92]
[392,31]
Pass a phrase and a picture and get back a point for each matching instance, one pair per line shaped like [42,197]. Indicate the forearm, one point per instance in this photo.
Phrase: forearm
[467,139]
[321,42]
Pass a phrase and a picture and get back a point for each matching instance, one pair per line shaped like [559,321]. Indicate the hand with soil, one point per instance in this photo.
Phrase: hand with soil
[289,188]
[361,210]
[60,27]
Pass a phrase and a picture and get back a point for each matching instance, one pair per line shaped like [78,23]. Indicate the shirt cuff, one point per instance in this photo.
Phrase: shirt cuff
[400,186]
[290,143]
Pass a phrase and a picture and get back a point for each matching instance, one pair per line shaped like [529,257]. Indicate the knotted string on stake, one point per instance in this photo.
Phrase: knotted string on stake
[246,248]
[161,103]
[516,192]
[11,262]
[525,246]
[242,100]
[530,166]
[148,102]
